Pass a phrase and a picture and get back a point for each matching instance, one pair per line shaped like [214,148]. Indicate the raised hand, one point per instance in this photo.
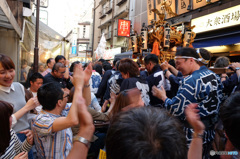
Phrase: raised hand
[88,73]
[78,76]
[32,103]
[66,63]
[164,65]
[235,65]
[104,106]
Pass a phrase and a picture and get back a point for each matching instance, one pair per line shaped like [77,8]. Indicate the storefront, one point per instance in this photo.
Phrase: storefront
[11,31]
[51,43]
[219,32]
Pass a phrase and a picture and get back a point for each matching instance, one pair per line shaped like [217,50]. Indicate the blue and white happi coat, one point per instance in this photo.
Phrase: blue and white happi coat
[203,87]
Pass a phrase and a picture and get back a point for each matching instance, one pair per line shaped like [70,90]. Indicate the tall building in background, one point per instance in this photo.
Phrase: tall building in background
[108,14]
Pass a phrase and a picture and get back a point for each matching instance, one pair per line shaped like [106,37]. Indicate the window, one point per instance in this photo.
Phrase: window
[109,31]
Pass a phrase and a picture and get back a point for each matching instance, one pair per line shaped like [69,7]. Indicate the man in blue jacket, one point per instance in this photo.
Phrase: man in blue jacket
[200,86]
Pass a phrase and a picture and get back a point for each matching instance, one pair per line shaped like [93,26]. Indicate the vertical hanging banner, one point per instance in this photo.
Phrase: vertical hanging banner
[172,5]
[74,41]
[201,3]
[158,4]
[183,6]
[144,36]
[167,37]
[150,14]
[187,38]
[158,7]
[134,43]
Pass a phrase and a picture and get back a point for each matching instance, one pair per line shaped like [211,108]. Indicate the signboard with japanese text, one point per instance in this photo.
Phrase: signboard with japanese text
[74,50]
[74,41]
[124,27]
[172,5]
[158,6]
[167,37]
[201,3]
[187,38]
[150,14]
[82,47]
[182,6]
[43,3]
[221,19]
[43,16]
[158,3]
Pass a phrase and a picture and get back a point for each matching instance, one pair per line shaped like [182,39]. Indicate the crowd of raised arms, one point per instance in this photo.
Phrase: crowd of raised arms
[178,109]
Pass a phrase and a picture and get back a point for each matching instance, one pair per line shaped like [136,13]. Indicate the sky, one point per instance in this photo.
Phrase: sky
[64,15]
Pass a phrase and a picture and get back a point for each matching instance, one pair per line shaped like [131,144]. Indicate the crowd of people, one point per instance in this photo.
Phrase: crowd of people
[177,109]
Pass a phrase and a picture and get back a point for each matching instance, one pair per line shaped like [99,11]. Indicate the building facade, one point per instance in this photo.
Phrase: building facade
[219,20]
[11,30]
[80,43]
[106,15]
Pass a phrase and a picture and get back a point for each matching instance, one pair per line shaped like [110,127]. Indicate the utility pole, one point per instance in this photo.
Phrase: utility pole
[36,49]
[93,30]
[112,21]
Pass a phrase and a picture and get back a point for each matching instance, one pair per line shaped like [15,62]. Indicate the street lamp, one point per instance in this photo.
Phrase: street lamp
[36,49]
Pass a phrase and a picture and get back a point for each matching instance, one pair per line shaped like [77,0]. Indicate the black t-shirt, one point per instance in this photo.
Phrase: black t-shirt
[50,78]
[140,83]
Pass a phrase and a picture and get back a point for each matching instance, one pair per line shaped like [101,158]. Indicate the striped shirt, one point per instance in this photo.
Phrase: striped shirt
[46,72]
[15,147]
[51,144]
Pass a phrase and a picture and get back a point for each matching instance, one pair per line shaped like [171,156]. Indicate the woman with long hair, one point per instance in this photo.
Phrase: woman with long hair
[10,145]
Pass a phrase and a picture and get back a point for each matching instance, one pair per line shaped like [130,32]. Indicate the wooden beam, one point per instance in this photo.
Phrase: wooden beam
[8,13]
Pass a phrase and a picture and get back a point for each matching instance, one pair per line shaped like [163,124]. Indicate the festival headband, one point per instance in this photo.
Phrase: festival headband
[201,59]
[186,57]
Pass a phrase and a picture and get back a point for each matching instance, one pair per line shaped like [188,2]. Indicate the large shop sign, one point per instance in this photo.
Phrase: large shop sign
[124,27]
[221,19]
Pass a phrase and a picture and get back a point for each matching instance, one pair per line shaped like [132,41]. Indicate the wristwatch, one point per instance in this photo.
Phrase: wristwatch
[237,68]
[197,135]
[82,140]
[165,71]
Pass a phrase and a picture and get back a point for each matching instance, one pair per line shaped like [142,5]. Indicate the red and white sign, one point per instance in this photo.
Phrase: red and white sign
[124,27]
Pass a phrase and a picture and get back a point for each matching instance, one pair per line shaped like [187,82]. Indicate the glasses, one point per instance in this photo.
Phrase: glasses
[66,96]
[62,72]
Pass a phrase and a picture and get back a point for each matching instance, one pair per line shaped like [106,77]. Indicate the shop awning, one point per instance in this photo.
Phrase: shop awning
[7,20]
[50,42]
[125,55]
[128,54]
[217,40]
